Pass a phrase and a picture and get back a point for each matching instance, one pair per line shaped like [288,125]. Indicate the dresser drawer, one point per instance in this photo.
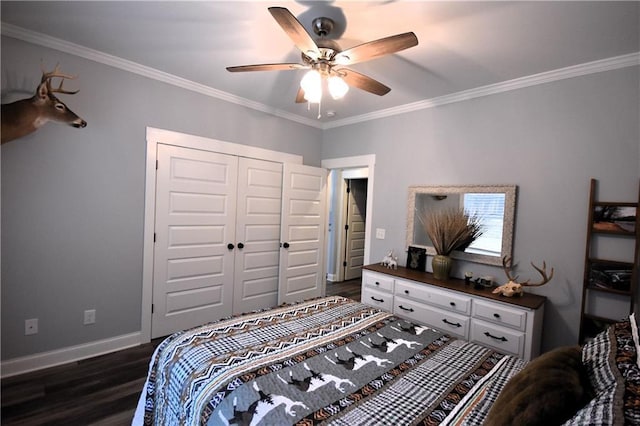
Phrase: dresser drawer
[425,293]
[379,299]
[501,338]
[500,314]
[377,281]
[449,322]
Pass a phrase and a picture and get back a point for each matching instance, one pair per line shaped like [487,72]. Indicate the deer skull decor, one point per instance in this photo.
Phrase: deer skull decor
[513,288]
[25,116]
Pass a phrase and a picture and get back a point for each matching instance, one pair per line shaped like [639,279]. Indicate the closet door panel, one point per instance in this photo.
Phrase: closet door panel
[303,233]
[195,214]
[257,234]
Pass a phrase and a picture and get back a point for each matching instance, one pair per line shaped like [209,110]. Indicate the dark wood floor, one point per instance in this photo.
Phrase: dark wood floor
[98,391]
[350,289]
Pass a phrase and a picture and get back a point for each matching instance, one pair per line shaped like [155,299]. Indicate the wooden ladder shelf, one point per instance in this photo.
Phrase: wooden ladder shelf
[604,277]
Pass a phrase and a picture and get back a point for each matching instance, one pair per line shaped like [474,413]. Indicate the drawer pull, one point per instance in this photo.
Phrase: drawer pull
[377,300]
[502,338]
[377,283]
[406,292]
[452,304]
[405,309]
[496,316]
[455,324]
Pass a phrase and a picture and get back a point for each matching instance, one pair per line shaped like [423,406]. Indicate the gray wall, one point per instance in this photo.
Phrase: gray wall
[547,139]
[73,199]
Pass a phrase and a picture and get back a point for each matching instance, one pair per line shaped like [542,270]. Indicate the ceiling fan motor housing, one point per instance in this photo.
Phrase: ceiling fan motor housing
[322,26]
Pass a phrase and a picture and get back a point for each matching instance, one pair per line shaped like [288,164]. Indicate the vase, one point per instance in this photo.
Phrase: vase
[441,266]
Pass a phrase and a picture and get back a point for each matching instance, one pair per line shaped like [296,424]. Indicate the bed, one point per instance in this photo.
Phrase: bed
[336,361]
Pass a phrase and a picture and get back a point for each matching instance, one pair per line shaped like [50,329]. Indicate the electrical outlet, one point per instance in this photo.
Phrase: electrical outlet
[89,316]
[30,326]
[380,233]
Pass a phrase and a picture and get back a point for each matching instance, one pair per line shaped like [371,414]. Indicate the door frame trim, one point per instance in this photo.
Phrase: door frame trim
[368,161]
[157,136]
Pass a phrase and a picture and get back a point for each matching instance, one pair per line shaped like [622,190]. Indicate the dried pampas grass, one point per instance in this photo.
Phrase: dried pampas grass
[450,229]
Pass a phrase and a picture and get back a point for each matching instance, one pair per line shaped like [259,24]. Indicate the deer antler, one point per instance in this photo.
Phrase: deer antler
[543,272]
[505,261]
[47,76]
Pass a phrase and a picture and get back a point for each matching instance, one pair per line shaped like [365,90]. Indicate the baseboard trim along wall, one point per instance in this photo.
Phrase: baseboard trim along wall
[26,364]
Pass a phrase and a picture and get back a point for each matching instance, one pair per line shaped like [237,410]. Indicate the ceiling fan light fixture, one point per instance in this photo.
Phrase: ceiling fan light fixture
[337,87]
[311,84]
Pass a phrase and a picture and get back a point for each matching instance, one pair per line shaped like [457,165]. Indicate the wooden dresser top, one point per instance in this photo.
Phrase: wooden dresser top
[528,300]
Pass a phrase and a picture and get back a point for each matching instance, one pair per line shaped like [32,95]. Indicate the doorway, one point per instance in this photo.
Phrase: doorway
[354,228]
[358,171]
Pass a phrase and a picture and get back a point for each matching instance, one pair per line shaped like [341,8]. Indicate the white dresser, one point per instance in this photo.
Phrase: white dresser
[510,325]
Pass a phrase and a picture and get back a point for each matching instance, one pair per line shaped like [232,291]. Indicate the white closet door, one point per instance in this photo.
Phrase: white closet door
[356,208]
[303,233]
[257,235]
[195,217]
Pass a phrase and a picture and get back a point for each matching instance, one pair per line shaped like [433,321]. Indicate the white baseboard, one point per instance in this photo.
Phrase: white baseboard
[15,366]
[332,277]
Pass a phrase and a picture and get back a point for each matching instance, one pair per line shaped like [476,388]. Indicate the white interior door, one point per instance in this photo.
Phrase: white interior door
[195,217]
[356,226]
[302,233]
[257,235]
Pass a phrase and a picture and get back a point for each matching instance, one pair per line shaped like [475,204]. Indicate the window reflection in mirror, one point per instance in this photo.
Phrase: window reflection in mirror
[493,205]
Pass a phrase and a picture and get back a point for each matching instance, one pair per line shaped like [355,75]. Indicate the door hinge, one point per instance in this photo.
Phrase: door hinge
[156,164]
[346,227]
[344,263]
[152,307]
[154,237]
[348,190]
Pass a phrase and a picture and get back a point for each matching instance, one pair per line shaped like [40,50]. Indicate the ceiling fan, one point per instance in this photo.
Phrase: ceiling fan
[327,60]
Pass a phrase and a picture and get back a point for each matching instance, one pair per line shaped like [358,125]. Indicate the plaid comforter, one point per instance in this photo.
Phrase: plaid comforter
[326,361]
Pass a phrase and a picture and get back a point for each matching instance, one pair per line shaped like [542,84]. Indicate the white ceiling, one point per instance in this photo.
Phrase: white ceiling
[462,45]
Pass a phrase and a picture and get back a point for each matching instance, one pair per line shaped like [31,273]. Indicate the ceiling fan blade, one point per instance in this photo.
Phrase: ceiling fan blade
[267,67]
[300,96]
[361,81]
[376,48]
[295,31]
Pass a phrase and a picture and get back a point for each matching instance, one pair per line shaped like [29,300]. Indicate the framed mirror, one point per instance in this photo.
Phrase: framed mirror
[494,205]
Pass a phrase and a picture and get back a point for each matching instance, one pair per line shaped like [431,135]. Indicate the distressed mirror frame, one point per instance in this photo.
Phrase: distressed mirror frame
[507,228]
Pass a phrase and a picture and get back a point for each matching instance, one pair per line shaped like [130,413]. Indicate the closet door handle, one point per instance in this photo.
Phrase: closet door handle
[285,245]
[240,245]
[230,246]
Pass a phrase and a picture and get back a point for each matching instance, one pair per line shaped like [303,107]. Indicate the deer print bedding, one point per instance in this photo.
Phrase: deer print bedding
[325,361]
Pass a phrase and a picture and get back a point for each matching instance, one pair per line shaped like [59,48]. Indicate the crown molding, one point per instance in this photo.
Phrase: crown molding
[9,30]
[632,59]
[34,37]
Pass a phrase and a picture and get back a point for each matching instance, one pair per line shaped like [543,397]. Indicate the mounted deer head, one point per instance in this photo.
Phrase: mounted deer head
[27,115]
[513,288]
